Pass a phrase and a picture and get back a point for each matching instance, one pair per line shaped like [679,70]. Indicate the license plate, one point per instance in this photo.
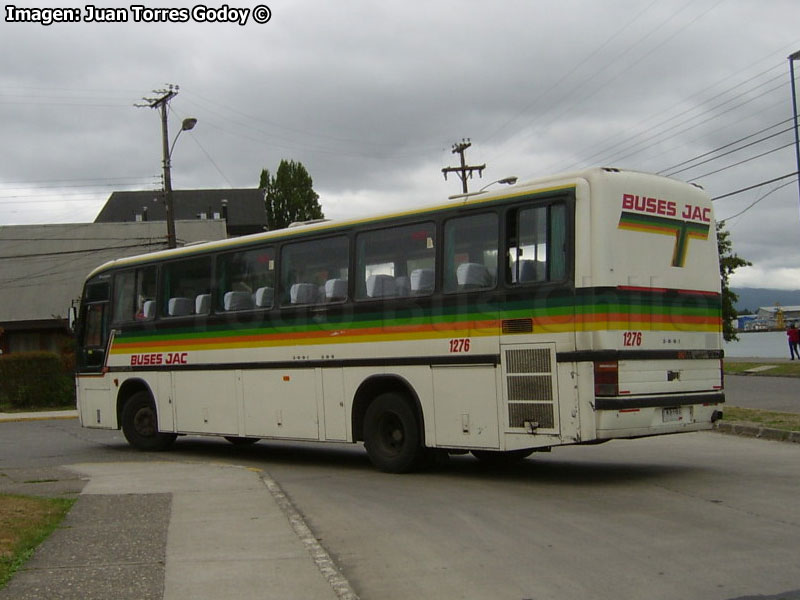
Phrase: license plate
[672,414]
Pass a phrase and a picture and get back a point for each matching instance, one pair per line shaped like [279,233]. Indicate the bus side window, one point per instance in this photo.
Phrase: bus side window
[537,244]
[95,325]
[134,295]
[470,250]
[182,282]
[246,280]
[315,272]
[396,262]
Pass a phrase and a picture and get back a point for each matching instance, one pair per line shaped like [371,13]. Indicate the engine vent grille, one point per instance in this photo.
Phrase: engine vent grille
[530,388]
[520,413]
[512,326]
[528,360]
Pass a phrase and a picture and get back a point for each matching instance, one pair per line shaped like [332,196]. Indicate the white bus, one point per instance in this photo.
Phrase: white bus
[569,310]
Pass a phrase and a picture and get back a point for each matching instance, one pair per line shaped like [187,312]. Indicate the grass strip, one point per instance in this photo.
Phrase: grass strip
[779,369]
[763,418]
[25,522]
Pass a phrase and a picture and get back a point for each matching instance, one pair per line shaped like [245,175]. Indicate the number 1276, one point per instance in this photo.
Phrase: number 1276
[632,338]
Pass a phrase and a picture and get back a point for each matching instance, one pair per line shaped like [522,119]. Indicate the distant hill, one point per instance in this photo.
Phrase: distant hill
[753,298]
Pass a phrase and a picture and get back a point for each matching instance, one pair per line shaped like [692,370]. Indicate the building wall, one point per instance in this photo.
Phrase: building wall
[43,267]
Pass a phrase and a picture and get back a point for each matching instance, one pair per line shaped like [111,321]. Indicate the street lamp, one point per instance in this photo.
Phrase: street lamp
[187,125]
[505,181]
[793,58]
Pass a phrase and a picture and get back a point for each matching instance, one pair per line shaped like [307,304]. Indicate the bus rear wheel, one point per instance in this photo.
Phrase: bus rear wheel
[140,424]
[391,434]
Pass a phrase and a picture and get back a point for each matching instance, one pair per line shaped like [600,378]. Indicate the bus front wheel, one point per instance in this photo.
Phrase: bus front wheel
[391,434]
[140,424]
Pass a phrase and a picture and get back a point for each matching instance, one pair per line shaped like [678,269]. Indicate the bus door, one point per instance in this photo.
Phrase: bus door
[94,403]
[539,397]
[93,332]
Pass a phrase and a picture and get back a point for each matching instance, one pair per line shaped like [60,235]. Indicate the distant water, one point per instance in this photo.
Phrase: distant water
[761,344]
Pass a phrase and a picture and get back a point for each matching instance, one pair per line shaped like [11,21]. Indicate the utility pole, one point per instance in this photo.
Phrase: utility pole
[162,103]
[792,58]
[464,170]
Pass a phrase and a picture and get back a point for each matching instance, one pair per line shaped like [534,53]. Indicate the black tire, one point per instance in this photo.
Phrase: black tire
[495,458]
[241,441]
[391,434]
[140,424]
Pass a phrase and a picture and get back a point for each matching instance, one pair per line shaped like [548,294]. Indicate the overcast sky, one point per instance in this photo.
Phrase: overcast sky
[370,96]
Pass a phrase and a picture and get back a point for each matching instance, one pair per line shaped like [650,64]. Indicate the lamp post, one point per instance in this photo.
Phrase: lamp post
[187,125]
[792,58]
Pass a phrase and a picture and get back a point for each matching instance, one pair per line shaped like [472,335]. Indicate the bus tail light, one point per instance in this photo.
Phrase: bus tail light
[606,378]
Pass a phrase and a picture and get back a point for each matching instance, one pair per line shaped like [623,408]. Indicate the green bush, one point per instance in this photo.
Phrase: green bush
[34,380]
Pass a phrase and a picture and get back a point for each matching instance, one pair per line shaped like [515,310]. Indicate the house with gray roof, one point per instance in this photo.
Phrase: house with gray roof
[242,209]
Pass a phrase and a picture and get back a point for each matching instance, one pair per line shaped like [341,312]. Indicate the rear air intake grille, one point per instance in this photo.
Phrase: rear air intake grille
[534,360]
[521,413]
[530,388]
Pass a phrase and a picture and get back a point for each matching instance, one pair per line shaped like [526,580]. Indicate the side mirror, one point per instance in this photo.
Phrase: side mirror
[73,318]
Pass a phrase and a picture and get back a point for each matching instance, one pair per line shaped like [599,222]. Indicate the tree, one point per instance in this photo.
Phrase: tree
[729,261]
[289,195]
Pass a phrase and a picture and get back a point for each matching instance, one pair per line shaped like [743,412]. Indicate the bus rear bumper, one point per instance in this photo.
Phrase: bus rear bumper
[656,420]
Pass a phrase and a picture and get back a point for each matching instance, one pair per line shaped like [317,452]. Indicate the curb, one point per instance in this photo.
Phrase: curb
[755,431]
[330,571]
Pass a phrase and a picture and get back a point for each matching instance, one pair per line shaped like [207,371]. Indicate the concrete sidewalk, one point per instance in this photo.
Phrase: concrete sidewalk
[177,530]
[38,415]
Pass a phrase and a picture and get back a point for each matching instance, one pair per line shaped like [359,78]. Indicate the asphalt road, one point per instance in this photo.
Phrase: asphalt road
[694,516]
[767,393]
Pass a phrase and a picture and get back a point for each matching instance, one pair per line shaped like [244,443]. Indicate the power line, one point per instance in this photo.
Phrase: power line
[669,173]
[81,179]
[82,251]
[688,125]
[41,198]
[689,168]
[752,187]
[594,53]
[208,156]
[741,162]
[752,204]
[77,185]
[579,99]
[716,95]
